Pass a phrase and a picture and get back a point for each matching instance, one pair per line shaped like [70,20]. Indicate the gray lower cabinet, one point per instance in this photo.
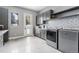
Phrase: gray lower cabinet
[68,41]
[43,34]
[37,32]
[1,41]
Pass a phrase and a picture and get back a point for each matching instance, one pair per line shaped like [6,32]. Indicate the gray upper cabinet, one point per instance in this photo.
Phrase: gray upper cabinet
[39,19]
[4,17]
[44,16]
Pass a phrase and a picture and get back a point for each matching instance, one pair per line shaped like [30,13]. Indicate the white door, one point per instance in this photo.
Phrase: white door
[28,25]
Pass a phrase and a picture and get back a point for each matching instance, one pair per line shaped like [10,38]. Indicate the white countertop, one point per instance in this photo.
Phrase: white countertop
[3,32]
[1,25]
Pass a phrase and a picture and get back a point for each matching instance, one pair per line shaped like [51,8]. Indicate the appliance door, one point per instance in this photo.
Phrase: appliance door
[52,38]
[51,35]
[68,41]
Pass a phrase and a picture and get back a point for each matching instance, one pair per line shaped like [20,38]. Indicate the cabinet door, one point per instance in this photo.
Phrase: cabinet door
[5,17]
[1,41]
[68,41]
[1,38]
[43,34]
[39,19]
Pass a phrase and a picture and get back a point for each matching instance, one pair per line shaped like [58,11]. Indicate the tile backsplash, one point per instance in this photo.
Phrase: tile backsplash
[65,22]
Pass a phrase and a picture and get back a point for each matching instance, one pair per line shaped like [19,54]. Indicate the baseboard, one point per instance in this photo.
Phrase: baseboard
[12,38]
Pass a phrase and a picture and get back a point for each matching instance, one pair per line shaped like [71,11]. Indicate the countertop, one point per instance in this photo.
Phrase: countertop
[3,32]
[1,25]
[74,30]
[43,29]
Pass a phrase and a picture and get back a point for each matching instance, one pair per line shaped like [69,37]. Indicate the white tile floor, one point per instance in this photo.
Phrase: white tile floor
[27,45]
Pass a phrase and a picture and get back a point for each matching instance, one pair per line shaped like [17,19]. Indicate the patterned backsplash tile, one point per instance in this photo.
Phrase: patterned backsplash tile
[65,22]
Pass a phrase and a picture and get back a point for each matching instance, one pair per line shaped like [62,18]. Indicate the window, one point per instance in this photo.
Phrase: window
[27,20]
[14,18]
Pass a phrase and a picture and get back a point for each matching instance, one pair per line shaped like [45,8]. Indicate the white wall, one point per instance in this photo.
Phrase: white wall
[19,30]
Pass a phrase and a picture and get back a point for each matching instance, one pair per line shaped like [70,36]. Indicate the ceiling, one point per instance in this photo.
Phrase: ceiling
[45,8]
[35,8]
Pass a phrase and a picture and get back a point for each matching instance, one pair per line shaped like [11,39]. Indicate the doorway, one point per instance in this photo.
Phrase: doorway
[28,24]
